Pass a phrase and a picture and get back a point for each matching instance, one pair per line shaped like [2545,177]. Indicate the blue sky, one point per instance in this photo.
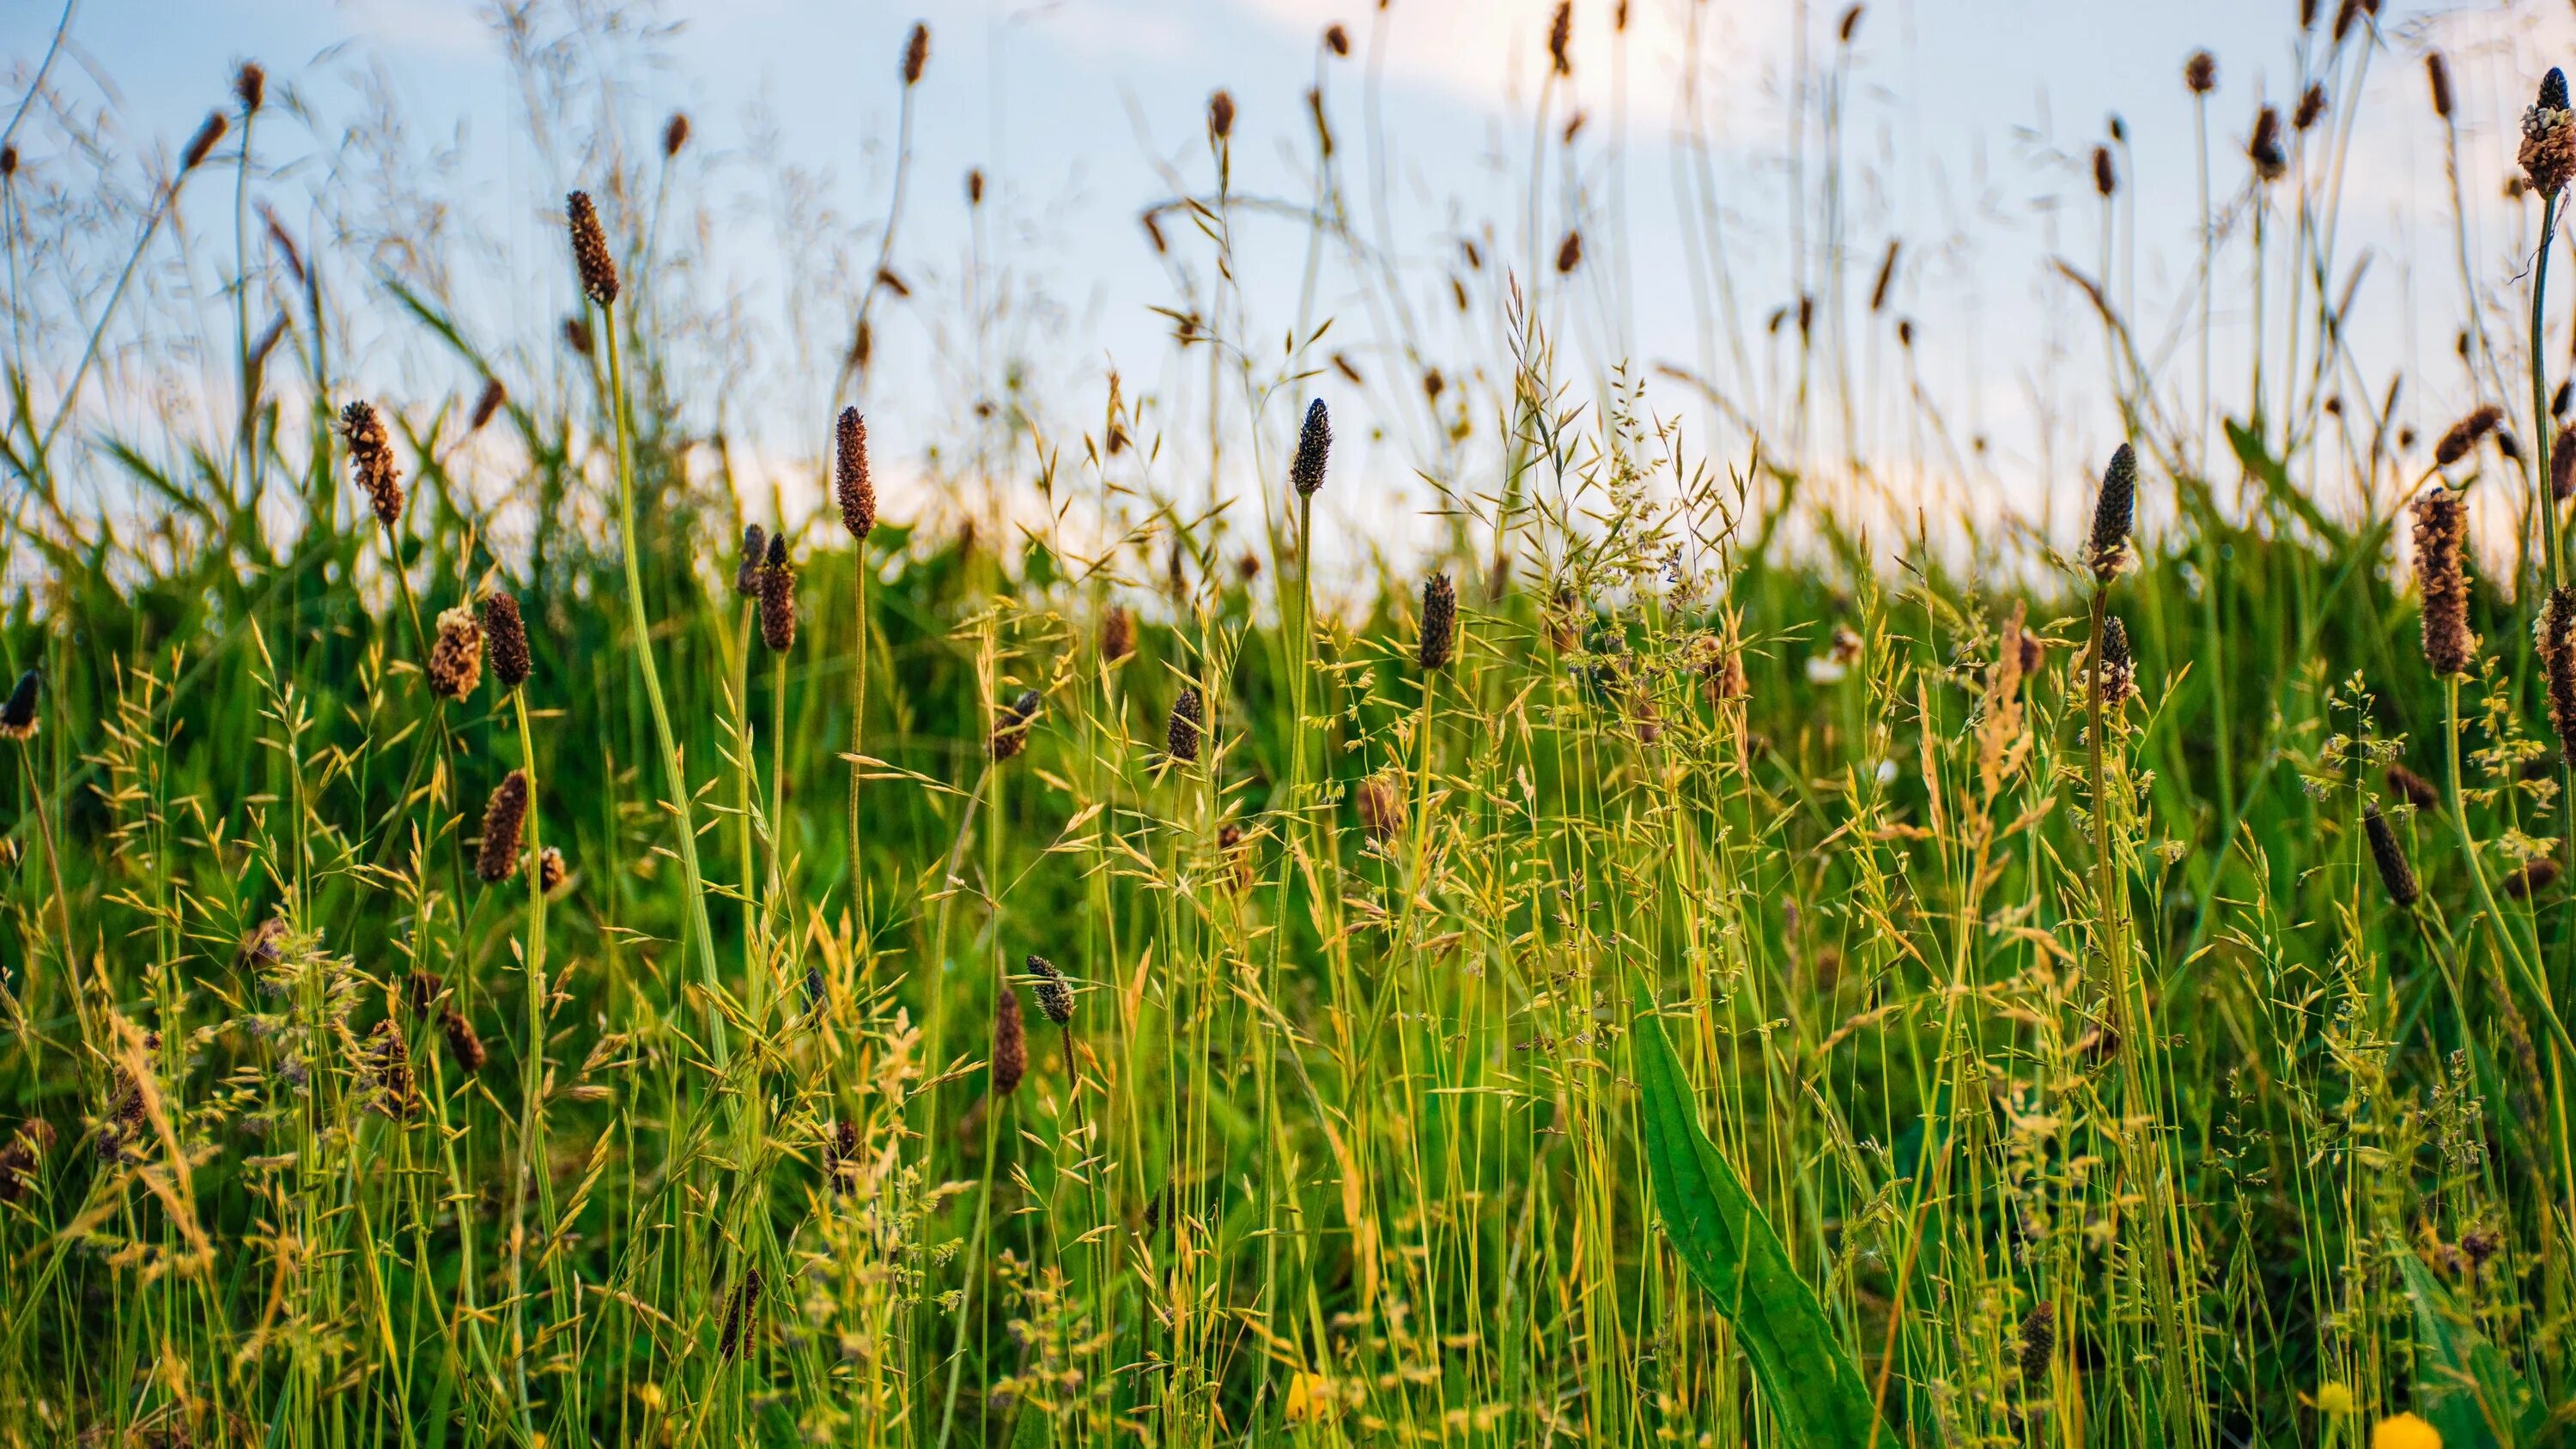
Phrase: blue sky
[1967,129]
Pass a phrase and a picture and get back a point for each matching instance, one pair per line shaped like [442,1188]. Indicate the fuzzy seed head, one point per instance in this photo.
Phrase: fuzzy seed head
[202,144]
[2038,1343]
[778,597]
[18,717]
[2548,154]
[590,255]
[2395,874]
[1220,115]
[2312,104]
[1117,634]
[2107,551]
[2119,666]
[389,1071]
[1439,624]
[1314,443]
[486,405]
[24,1157]
[741,1316]
[371,460]
[2562,463]
[916,54]
[2536,875]
[503,817]
[1010,1043]
[755,554]
[250,85]
[508,634]
[552,872]
[1569,253]
[1182,733]
[2437,74]
[675,134]
[851,478]
[2441,547]
[2466,434]
[2556,630]
[1560,37]
[456,659]
[2412,788]
[2271,163]
[2106,179]
[1055,994]
[2200,72]
[1011,730]
[1381,806]
[464,1044]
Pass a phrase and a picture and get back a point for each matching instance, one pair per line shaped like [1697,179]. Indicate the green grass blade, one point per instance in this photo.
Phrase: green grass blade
[2463,1386]
[1813,1387]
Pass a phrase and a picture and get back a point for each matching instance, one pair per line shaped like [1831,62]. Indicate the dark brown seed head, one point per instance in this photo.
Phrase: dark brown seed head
[456,659]
[2505,444]
[389,1068]
[508,634]
[1189,718]
[2412,788]
[741,1315]
[1220,115]
[1337,40]
[856,486]
[1011,730]
[2107,552]
[8,162]
[1886,276]
[1381,805]
[841,1156]
[1560,36]
[1117,634]
[576,331]
[1439,623]
[421,990]
[2200,72]
[2548,152]
[2441,548]
[250,85]
[2119,666]
[2537,874]
[2562,466]
[552,872]
[2553,91]
[489,403]
[755,553]
[975,186]
[371,460]
[1569,252]
[503,817]
[778,597]
[18,718]
[590,250]
[24,1157]
[2312,104]
[1010,1043]
[1229,842]
[2038,1343]
[464,1045]
[675,134]
[1314,444]
[2349,12]
[2438,73]
[916,54]
[2271,163]
[2394,873]
[2556,630]
[202,143]
[1055,994]
[2465,435]
[2106,180]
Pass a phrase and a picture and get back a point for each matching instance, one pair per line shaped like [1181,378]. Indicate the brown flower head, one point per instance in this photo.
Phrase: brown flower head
[1011,730]
[2536,875]
[2385,853]
[2312,104]
[675,134]
[851,479]
[2549,137]
[2562,463]
[1314,442]
[778,597]
[2119,666]
[2556,631]
[1439,624]
[1117,634]
[2412,788]
[456,658]
[1055,994]
[2437,73]
[1569,252]
[746,570]
[1182,733]
[590,253]
[508,634]
[503,816]
[916,54]
[2107,550]
[371,460]
[552,872]
[2038,1343]
[2441,547]
[464,1045]
[18,717]
[250,85]
[1220,115]
[2271,163]
[742,1315]
[389,1071]
[1381,805]
[2200,72]
[24,1157]
[1560,36]
[2465,435]
[2106,177]
[1010,1043]
[488,404]
[202,144]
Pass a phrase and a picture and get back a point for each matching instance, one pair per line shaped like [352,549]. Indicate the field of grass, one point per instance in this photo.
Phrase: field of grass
[1064,984]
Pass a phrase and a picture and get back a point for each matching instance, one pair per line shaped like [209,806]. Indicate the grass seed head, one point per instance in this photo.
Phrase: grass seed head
[1220,115]
[2038,1343]
[456,657]
[590,255]
[2412,788]
[2548,154]
[2106,178]
[371,460]
[2312,104]
[18,717]
[1314,444]
[755,553]
[1183,731]
[675,134]
[389,1071]
[1011,730]
[2437,74]
[742,1313]
[2465,435]
[2536,875]
[2562,462]
[916,54]
[508,634]
[1439,624]
[2556,632]
[2200,73]
[2395,875]
[841,1156]
[1117,634]
[1337,40]
[2271,163]
[421,991]
[250,86]
[1010,1043]
[2115,509]
[2119,666]
[2441,547]
[1055,994]
[1569,253]
[486,405]
[778,597]
[503,817]
[464,1044]
[552,872]
[24,1158]
[852,481]
[1560,38]
[1381,805]
[202,144]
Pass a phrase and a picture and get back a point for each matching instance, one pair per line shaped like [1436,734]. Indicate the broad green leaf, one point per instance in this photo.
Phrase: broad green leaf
[2463,1386]
[1814,1390]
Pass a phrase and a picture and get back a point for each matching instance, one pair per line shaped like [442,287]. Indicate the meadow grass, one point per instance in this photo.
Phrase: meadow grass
[1072,987]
